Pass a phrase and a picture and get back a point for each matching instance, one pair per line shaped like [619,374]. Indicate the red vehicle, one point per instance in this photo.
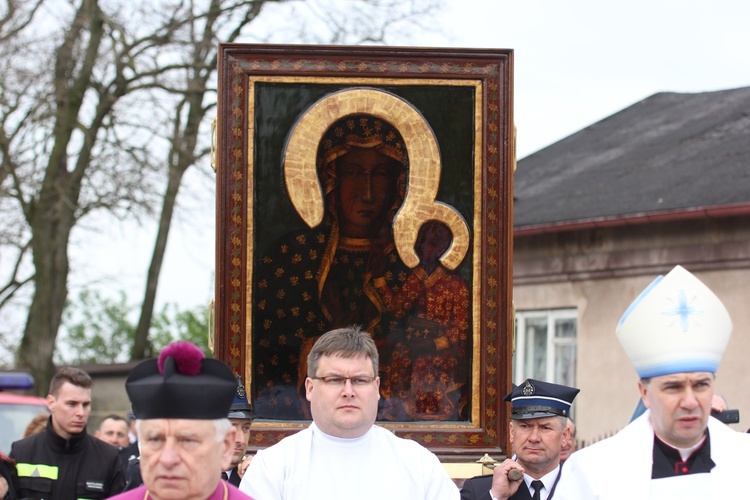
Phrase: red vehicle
[17,410]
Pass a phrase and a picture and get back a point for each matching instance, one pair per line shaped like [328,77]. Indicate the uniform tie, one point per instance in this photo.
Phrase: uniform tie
[537,485]
[224,476]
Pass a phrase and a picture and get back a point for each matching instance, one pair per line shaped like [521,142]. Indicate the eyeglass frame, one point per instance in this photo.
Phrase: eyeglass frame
[327,380]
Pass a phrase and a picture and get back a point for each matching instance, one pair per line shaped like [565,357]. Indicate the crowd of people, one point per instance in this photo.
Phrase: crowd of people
[192,419]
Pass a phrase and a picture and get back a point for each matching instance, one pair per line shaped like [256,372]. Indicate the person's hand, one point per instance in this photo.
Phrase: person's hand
[242,467]
[502,487]
[718,403]
[3,487]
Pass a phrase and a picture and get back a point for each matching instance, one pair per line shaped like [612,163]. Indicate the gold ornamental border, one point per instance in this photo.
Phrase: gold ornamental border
[492,78]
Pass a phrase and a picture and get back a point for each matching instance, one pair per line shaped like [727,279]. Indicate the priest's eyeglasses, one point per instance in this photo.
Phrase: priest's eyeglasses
[336,381]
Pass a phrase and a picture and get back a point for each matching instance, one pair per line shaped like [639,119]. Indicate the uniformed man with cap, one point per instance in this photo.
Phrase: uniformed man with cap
[674,333]
[538,426]
[241,416]
[181,402]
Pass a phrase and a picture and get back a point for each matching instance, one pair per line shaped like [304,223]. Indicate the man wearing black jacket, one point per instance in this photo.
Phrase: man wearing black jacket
[538,427]
[64,461]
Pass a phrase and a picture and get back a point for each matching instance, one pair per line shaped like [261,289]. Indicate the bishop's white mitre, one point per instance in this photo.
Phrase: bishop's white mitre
[676,325]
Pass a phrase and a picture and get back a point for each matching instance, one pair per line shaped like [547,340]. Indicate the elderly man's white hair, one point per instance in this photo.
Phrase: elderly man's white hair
[222,426]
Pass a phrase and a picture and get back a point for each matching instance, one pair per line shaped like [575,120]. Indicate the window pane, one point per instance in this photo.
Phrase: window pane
[565,364]
[565,328]
[535,365]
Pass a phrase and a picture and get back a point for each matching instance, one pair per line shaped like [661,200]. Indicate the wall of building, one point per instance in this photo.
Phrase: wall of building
[108,392]
[107,396]
[600,271]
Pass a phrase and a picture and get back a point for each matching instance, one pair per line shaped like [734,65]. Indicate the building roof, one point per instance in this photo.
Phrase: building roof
[671,153]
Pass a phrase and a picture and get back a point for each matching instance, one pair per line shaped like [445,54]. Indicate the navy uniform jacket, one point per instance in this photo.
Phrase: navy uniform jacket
[234,478]
[478,488]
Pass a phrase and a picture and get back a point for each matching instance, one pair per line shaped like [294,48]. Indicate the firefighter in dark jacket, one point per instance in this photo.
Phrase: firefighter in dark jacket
[65,462]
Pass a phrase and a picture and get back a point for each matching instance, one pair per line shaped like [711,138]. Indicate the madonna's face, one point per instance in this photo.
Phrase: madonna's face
[367,189]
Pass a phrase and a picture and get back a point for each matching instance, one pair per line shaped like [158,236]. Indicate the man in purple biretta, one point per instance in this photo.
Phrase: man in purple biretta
[181,402]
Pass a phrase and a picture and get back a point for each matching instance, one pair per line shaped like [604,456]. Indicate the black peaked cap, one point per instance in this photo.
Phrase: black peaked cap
[536,399]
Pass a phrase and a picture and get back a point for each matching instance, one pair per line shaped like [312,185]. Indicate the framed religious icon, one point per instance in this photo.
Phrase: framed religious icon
[369,186]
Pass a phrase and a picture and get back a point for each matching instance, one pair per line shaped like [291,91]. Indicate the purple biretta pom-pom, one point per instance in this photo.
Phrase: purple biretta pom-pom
[187,357]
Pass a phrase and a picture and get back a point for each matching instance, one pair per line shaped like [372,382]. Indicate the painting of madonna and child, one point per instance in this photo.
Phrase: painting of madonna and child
[385,246]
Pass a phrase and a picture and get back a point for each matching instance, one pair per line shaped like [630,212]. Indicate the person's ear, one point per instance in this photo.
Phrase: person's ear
[566,434]
[643,389]
[308,388]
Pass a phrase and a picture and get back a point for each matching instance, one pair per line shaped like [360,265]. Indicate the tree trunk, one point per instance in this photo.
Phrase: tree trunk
[50,228]
[141,343]
[182,155]
[52,214]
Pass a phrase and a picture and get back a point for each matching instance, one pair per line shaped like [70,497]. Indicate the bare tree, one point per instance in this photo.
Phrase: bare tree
[74,117]
[202,31]
[92,95]
[357,22]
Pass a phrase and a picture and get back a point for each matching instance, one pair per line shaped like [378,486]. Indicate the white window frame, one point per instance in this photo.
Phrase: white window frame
[519,356]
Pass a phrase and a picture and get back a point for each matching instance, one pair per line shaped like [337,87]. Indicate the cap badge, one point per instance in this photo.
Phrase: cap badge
[528,389]
[240,388]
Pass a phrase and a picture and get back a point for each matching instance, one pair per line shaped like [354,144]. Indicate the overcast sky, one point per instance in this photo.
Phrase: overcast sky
[576,62]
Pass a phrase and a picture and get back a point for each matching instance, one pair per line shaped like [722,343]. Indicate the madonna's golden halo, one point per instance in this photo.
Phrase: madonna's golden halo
[303,185]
